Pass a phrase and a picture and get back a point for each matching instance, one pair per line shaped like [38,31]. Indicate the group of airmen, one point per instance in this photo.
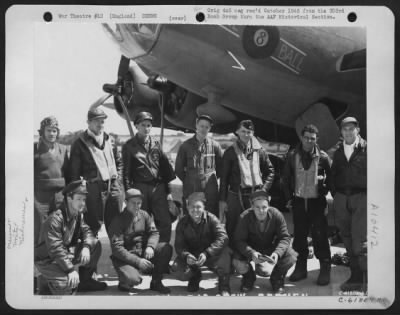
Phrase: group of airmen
[227,223]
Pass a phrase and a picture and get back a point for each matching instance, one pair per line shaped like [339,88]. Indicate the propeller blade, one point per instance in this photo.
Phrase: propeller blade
[162,101]
[100,101]
[123,67]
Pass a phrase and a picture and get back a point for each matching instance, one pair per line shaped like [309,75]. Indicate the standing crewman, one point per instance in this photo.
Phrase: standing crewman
[201,240]
[147,168]
[245,168]
[198,164]
[68,255]
[136,248]
[50,170]
[92,158]
[305,177]
[349,188]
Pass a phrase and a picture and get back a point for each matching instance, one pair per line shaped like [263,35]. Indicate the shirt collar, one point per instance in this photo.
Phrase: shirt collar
[268,215]
[143,141]
[44,143]
[203,219]
[197,140]
[68,215]
[99,138]
[244,147]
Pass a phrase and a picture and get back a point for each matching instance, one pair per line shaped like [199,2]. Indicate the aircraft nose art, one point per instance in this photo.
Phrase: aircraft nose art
[134,40]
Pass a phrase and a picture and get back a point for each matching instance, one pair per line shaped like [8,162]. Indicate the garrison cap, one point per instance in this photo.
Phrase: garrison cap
[259,194]
[96,113]
[76,187]
[349,120]
[196,196]
[131,193]
[205,117]
[248,124]
[143,116]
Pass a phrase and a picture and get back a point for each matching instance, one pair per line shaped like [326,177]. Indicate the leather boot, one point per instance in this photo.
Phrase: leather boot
[300,271]
[277,280]
[365,281]
[43,286]
[157,285]
[278,285]
[223,285]
[248,280]
[355,282]
[87,283]
[194,281]
[324,272]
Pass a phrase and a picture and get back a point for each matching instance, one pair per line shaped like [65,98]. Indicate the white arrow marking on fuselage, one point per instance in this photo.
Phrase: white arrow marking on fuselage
[239,66]
[230,31]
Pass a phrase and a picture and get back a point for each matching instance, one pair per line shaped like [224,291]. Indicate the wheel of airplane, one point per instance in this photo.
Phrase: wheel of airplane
[260,41]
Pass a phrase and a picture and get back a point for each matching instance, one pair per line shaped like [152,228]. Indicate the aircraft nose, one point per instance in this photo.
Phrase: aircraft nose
[134,40]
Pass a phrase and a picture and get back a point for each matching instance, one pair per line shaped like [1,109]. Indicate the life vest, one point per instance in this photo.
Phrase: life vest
[249,168]
[104,159]
[306,181]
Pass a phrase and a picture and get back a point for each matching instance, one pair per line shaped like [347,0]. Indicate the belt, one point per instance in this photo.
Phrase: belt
[247,190]
[97,180]
[297,197]
[153,182]
[351,191]
[104,183]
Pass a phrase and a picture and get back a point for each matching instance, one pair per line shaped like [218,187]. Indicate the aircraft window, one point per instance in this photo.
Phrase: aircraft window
[353,61]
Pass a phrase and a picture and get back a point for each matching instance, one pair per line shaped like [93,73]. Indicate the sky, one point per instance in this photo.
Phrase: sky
[72,62]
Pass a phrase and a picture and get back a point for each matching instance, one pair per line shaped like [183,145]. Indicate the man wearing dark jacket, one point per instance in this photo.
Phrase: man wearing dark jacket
[69,245]
[245,168]
[201,240]
[92,158]
[147,168]
[262,236]
[198,165]
[135,246]
[349,188]
[305,177]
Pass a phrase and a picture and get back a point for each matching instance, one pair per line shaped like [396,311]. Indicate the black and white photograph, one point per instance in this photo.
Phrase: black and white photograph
[200,160]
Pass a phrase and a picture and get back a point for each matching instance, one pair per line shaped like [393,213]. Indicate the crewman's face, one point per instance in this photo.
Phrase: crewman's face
[308,140]
[50,134]
[244,134]
[77,203]
[350,133]
[203,127]
[196,209]
[134,204]
[144,127]
[260,207]
[96,125]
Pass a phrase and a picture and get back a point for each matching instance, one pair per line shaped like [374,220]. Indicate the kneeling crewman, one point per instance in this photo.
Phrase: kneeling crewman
[69,246]
[136,248]
[260,232]
[200,240]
